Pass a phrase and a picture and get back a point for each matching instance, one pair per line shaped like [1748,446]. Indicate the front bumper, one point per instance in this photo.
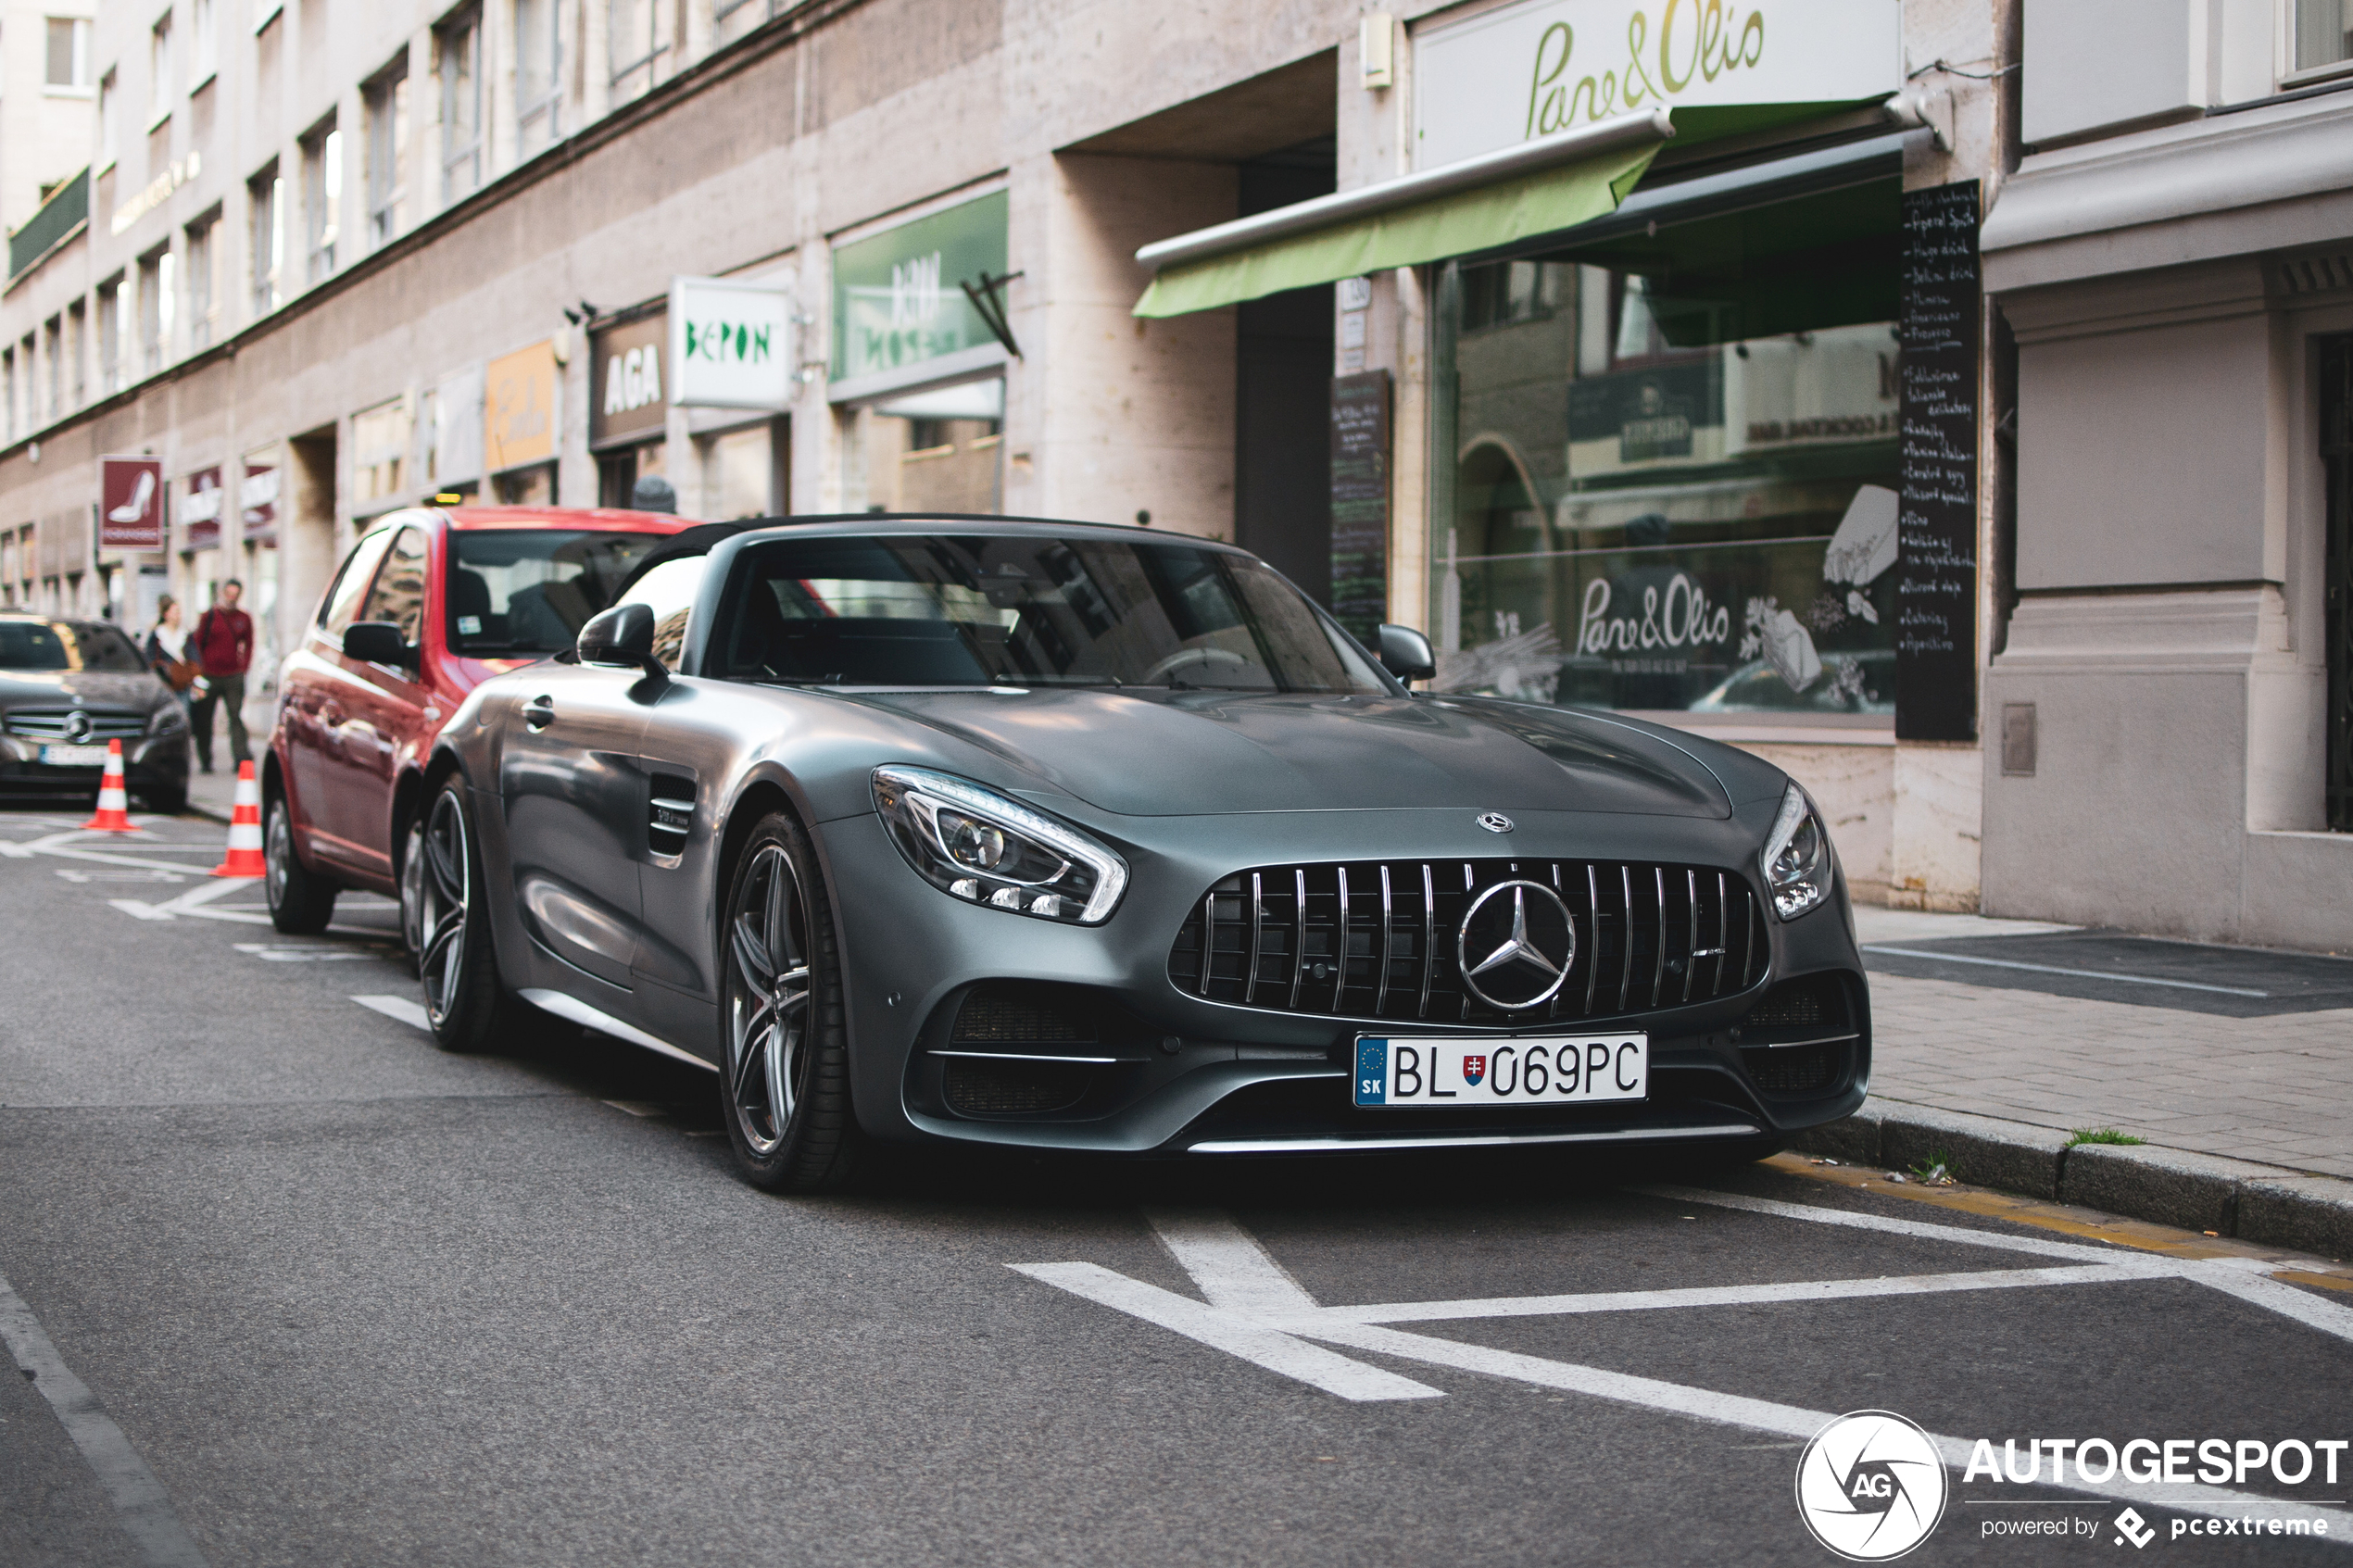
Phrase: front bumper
[151,762]
[1175,1073]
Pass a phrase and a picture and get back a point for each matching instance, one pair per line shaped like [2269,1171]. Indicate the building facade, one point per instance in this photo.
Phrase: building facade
[2169,693]
[1585,334]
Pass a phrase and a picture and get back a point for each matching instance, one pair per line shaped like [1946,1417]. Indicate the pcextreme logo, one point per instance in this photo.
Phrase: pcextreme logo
[1870,1485]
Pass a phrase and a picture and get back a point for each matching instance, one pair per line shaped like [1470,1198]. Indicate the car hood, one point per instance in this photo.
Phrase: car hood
[1153,754]
[92,688]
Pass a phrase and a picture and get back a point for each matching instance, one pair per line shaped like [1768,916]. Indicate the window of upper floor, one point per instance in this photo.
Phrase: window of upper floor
[384,100]
[114,311]
[160,83]
[66,69]
[538,76]
[203,248]
[321,198]
[266,240]
[639,42]
[204,43]
[2323,36]
[159,280]
[457,64]
[109,119]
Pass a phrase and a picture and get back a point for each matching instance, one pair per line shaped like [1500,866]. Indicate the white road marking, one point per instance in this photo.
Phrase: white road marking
[141,1504]
[68,874]
[300,955]
[196,901]
[2244,1278]
[1746,1295]
[1231,1331]
[2052,969]
[401,1007]
[1257,1310]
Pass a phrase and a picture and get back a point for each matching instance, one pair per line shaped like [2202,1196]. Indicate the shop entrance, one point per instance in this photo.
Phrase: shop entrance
[1282,399]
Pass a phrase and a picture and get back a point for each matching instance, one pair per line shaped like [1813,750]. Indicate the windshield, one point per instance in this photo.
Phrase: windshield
[528,591]
[983,610]
[67,645]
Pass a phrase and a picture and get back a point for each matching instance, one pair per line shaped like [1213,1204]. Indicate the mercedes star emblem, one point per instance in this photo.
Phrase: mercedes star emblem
[77,726]
[1495,821]
[1519,938]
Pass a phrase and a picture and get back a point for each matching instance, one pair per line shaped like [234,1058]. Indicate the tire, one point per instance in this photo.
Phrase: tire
[301,901]
[412,893]
[783,1083]
[468,1007]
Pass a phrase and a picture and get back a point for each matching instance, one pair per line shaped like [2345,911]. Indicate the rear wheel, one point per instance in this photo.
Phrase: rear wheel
[784,1083]
[301,901]
[467,1007]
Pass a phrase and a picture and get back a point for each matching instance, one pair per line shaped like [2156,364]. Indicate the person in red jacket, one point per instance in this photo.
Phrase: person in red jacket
[222,643]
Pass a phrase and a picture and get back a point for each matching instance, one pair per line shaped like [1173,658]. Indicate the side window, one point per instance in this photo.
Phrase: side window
[342,603]
[399,594]
[669,591]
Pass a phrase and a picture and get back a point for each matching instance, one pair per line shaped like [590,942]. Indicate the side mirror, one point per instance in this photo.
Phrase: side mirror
[379,642]
[1405,652]
[621,636]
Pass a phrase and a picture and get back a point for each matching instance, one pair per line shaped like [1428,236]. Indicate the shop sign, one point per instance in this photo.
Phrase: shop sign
[730,345]
[200,511]
[626,390]
[902,314]
[258,499]
[519,409]
[1529,69]
[130,503]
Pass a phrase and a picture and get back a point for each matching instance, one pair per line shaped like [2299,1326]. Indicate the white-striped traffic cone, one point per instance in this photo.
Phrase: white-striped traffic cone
[114,807]
[245,829]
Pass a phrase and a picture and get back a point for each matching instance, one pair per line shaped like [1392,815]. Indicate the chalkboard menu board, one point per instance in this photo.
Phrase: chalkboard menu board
[1360,501]
[1936,531]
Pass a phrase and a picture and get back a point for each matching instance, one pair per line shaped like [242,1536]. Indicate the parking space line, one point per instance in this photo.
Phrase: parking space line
[1257,1311]
[400,1007]
[1747,1295]
[195,902]
[141,1505]
[1232,1331]
[1885,951]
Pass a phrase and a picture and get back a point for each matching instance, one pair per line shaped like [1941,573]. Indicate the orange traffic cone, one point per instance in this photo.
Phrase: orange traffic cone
[114,807]
[245,829]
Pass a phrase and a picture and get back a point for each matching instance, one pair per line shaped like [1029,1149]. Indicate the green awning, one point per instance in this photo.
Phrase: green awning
[1460,223]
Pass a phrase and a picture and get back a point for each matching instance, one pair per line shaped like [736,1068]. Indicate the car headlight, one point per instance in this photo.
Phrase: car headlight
[1796,856]
[168,720]
[976,845]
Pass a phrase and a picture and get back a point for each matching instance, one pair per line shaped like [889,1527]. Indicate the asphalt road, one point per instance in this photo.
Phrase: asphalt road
[290,1287]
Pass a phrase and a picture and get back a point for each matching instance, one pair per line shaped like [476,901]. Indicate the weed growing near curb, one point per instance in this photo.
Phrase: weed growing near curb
[2102,1134]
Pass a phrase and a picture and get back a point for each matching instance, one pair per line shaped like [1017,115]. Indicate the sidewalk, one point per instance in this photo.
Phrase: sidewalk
[2248,1121]
[211,794]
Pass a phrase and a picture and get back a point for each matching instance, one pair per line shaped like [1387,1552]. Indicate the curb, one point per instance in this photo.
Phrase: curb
[208,812]
[2267,1204]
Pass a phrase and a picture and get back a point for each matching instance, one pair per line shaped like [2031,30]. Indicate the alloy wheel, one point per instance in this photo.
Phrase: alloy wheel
[277,850]
[767,1000]
[412,891]
[443,899]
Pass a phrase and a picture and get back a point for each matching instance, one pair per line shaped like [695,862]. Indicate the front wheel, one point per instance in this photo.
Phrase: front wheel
[784,1083]
[301,901]
[467,1007]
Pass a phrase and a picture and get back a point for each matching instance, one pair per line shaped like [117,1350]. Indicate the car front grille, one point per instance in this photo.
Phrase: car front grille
[49,723]
[1311,938]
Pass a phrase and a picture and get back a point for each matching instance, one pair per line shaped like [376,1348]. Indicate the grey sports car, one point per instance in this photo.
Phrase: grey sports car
[1078,837]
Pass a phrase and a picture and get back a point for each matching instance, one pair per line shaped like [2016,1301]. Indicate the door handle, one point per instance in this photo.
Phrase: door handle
[538,713]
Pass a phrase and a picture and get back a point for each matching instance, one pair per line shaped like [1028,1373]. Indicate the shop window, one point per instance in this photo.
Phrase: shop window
[938,451]
[532,486]
[380,451]
[2336,458]
[1667,473]
[619,471]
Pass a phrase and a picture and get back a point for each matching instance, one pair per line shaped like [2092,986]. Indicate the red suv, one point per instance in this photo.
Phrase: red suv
[428,605]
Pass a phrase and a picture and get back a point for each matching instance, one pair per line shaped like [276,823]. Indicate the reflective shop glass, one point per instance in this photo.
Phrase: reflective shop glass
[975,610]
[1667,465]
[529,591]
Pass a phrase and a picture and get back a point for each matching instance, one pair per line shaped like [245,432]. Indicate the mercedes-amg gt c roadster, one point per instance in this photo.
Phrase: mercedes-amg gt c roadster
[1063,836]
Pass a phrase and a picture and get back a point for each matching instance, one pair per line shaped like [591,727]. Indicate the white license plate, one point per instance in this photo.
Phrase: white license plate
[1555,1070]
[74,755]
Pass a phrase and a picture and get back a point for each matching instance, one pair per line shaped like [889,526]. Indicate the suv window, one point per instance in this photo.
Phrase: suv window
[339,609]
[399,594]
